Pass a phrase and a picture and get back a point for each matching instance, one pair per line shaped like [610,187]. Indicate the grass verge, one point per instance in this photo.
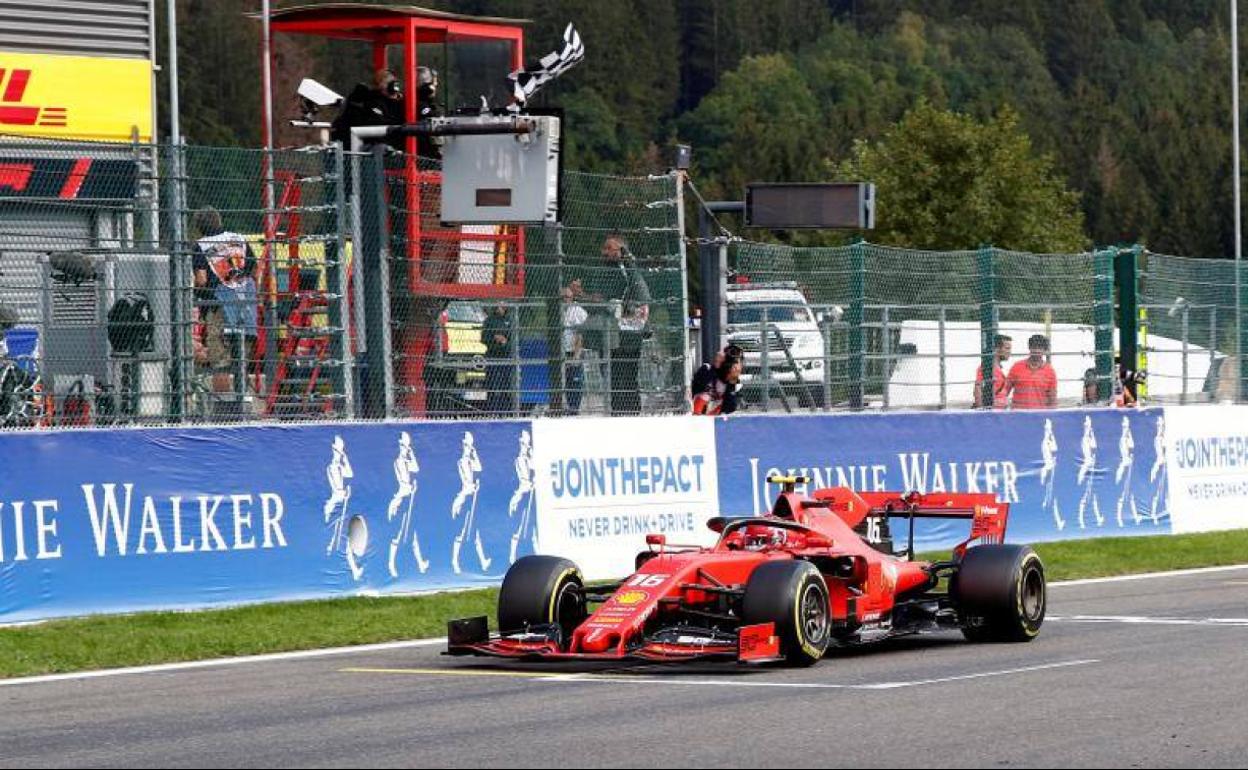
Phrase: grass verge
[164,637]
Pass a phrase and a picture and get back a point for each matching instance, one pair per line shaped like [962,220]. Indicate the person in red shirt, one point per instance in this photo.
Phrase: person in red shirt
[1032,383]
[1004,347]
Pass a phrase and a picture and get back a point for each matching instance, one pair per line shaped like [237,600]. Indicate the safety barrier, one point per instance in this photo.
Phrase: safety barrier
[123,520]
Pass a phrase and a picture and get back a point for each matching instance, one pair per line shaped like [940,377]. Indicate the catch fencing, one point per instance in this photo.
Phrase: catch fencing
[154,285]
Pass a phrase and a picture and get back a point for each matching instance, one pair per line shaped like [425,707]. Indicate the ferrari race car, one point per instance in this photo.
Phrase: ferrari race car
[819,571]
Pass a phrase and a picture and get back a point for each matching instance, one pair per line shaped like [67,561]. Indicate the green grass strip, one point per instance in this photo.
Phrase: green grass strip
[164,637]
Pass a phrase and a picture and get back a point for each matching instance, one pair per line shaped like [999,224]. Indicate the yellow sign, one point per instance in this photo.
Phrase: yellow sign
[75,97]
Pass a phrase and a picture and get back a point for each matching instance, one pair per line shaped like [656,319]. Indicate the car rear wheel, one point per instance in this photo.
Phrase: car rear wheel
[1000,593]
[541,591]
[793,596]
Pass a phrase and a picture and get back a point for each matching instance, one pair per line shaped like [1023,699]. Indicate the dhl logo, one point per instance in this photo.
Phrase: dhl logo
[13,84]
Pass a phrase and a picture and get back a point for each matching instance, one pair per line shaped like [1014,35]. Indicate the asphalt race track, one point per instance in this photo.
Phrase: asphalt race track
[1137,673]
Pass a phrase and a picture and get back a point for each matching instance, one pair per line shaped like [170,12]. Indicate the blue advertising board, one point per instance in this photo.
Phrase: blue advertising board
[181,518]
[125,520]
[1066,474]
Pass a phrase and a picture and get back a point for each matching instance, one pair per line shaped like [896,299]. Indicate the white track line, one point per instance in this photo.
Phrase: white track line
[306,654]
[194,664]
[678,682]
[1148,576]
[1150,621]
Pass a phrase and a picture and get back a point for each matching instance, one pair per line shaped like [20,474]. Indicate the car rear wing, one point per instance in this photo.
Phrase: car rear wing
[988,515]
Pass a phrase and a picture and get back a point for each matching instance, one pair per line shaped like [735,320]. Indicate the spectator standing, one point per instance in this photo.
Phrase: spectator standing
[621,284]
[496,335]
[1091,389]
[1003,347]
[574,316]
[225,274]
[1032,382]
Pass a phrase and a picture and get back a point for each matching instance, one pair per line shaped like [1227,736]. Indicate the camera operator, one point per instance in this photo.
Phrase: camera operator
[426,108]
[381,105]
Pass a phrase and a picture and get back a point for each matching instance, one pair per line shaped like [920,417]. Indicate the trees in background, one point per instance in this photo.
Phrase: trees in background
[945,181]
[1128,97]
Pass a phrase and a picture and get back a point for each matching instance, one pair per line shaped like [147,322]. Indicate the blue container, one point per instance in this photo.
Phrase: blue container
[23,345]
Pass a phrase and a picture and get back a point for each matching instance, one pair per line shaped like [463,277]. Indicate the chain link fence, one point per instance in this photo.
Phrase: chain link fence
[867,326]
[146,285]
[1189,322]
[585,317]
[151,285]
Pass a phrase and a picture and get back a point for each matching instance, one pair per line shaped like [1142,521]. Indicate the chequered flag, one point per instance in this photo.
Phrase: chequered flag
[525,83]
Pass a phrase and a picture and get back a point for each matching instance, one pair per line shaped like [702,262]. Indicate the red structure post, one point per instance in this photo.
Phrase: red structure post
[431,251]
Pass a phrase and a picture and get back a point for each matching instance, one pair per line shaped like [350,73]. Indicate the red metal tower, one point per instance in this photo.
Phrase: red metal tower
[431,249]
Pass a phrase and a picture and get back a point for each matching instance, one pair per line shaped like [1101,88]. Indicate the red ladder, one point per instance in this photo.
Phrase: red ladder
[302,353]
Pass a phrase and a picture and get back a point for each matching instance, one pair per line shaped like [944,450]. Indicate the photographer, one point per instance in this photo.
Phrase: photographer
[720,395]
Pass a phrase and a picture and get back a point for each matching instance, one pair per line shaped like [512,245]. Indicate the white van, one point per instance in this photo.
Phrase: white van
[793,360]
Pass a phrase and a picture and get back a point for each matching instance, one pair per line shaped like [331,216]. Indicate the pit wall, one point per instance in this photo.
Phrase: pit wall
[128,520]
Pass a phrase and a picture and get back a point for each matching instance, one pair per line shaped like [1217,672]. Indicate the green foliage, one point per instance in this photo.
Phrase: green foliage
[945,181]
[762,119]
[165,637]
[1130,97]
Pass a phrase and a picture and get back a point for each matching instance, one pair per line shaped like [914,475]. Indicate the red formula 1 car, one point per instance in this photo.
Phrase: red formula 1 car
[819,571]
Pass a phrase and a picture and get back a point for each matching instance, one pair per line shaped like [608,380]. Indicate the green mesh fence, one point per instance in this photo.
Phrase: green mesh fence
[586,317]
[866,326]
[148,285]
[1189,325]
[347,297]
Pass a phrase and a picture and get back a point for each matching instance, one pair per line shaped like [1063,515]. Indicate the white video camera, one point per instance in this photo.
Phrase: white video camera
[313,96]
[318,95]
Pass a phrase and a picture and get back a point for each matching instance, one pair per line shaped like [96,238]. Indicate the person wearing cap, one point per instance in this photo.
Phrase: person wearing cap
[1032,382]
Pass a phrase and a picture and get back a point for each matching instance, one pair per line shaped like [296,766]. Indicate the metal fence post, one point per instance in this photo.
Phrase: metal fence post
[1213,345]
[1103,320]
[944,367]
[1186,332]
[378,388]
[857,333]
[886,345]
[688,363]
[179,322]
[1126,276]
[825,327]
[986,261]
[764,345]
[513,335]
[558,359]
[337,283]
[1241,334]
[713,270]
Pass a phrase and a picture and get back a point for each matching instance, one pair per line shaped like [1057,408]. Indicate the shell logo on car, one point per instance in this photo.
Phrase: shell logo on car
[631,598]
